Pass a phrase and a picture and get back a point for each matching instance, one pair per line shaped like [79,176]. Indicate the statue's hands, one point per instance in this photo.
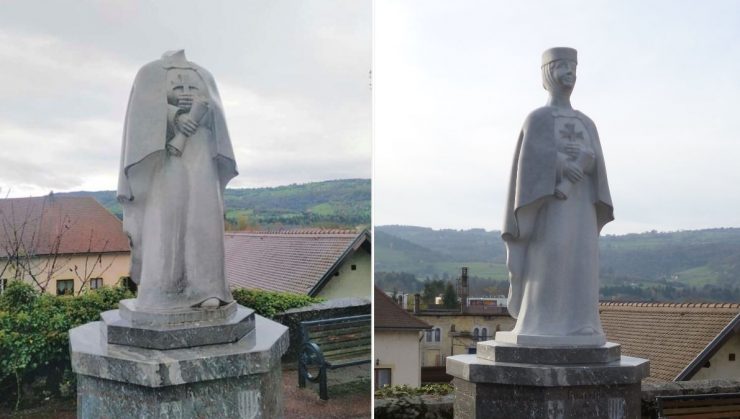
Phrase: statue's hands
[573,150]
[572,172]
[186,124]
[185,100]
[173,151]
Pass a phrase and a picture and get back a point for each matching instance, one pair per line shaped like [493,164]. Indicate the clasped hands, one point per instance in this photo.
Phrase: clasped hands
[571,170]
[185,123]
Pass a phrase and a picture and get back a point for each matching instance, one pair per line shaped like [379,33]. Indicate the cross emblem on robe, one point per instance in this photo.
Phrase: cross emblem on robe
[570,133]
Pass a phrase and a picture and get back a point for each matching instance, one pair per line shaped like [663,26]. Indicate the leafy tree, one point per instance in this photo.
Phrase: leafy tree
[432,288]
[449,299]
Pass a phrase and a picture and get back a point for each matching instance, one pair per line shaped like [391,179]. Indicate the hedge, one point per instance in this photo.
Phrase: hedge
[34,339]
[404,390]
[34,342]
[270,303]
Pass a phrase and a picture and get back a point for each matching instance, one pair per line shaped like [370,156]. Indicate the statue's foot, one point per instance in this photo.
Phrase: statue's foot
[210,303]
[586,331]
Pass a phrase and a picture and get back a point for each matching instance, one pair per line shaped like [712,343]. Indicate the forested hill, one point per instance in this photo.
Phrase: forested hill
[341,203]
[700,264]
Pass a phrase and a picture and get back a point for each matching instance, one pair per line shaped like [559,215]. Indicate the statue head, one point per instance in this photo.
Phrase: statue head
[559,69]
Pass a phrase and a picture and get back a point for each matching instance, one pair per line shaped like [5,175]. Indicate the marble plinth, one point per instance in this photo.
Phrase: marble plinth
[147,317]
[494,350]
[120,329]
[550,341]
[494,389]
[235,380]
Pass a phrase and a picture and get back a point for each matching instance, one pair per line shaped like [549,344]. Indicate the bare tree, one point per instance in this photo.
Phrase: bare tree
[27,253]
[32,251]
[93,264]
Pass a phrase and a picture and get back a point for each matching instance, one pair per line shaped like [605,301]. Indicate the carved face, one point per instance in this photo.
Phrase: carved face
[565,73]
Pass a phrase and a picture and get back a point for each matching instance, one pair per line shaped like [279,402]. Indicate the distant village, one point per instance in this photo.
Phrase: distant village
[684,341]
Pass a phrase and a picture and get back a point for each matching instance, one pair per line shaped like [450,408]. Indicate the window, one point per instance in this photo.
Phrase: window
[484,333]
[96,283]
[65,286]
[437,334]
[354,267]
[475,333]
[732,357]
[429,335]
[3,284]
[382,377]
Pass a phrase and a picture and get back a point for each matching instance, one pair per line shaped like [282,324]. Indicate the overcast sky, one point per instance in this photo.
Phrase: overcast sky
[453,82]
[293,77]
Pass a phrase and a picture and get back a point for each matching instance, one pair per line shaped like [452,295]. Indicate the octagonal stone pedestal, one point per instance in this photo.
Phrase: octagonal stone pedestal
[229,380]
[547,382]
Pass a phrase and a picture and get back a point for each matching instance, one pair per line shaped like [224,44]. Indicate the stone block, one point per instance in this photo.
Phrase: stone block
[474,369]
[550,341]
[504,352]
[130,312]
[483,400]
[239,380]
[123,331]
[494,389]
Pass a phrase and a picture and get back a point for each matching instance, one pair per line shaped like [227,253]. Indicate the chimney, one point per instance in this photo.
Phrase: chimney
[463,290]
[417,303]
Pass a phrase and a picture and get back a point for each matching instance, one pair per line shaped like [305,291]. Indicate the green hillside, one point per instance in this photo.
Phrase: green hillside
[334,204]
[683,265]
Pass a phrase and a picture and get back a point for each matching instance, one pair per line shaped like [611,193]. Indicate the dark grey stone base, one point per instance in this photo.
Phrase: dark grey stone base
[253,396]
[233,380]
[123,331]
[492,401]
[507,352]
[488,389]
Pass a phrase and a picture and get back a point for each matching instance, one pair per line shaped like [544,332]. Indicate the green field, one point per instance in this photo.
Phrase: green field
[333,204]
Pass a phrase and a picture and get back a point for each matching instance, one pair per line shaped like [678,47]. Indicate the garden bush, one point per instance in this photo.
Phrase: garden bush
[405,390]
[34,340]
[34,334]
[269,303]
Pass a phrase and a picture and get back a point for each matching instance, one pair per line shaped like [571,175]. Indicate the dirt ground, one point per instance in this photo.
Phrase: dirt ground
[346,401]
[351,400]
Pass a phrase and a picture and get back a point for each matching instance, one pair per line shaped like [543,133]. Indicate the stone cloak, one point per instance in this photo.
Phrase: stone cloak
[145,140]
[533,180]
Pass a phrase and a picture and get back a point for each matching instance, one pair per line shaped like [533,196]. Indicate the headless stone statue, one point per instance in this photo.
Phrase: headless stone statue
[557,204]
[175,163]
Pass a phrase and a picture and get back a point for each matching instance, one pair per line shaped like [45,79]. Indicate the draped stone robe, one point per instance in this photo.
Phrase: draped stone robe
[552,243]
[173,205]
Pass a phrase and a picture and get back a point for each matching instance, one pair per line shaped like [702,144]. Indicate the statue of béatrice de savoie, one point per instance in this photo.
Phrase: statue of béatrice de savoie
[558,201]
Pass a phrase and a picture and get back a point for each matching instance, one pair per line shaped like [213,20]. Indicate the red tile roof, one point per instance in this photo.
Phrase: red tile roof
[59,225]
[298,261]
[670,335]
[390,316]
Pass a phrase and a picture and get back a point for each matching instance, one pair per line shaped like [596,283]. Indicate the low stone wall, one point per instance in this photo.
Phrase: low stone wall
[439,407]
[340,307]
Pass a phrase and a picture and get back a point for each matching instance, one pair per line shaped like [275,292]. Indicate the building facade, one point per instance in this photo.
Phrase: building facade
[455,333]
[397,354]
[61,244]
